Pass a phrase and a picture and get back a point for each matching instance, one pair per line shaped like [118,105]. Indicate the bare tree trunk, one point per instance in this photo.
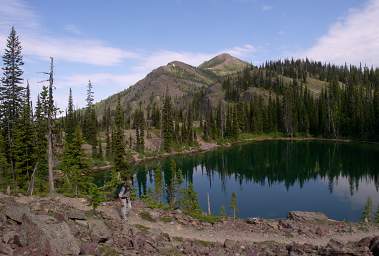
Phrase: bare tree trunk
[209,205]
[50,132]
[50,159]
[32,180]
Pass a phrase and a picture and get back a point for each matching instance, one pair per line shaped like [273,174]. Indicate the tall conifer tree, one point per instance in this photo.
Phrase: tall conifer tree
[11,92]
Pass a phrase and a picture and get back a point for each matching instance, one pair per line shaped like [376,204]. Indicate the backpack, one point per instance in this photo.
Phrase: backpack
[117,190]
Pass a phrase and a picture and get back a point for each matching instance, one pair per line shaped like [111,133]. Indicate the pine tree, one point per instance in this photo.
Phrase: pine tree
[95,196]
[3,162]
[167,123]
[222,211]
[233,204]
[11,92]
[108,148]
[118,147]
[175,180]
[139,123]
[40,125]
[75,164]
[70,120]
[367,211]
[189,202]
[90,121]
[24,143]
[158,184]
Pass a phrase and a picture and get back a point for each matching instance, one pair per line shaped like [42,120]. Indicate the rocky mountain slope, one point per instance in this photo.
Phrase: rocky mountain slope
[178,78]
[223,64]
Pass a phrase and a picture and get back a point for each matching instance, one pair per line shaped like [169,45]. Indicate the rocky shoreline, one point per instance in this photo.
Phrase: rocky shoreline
[67,226]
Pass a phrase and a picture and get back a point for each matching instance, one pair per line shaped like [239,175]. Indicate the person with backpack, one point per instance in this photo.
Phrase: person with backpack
[124,196]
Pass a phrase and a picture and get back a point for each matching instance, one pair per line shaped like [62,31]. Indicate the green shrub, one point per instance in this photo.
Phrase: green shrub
[146,216]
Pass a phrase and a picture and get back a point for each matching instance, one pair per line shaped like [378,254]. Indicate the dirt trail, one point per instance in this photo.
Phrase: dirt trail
[216,233]
[211,234]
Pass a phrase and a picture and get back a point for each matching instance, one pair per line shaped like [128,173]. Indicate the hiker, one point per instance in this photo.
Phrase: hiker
[124,196]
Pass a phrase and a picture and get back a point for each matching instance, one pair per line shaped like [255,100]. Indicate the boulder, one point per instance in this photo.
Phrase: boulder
[252,220]
[75,214]
[374,246]
[230,244]
[99,232]
[307,216]
[336,248]
[8,237]
[16,212]
[5,250]
[89,248]
[46,236]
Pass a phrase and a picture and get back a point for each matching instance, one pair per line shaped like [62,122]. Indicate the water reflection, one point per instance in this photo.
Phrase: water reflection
[272,178]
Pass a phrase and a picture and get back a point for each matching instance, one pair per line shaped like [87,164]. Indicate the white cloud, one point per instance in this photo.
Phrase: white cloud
[37,44]
[16,13]
[242,51]
[353,39]
[121,81]
[86,51]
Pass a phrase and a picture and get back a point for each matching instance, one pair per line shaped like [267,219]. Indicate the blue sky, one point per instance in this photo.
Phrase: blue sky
[115,43]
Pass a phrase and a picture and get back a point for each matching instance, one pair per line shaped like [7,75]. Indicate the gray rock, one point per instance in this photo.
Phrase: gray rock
[83,223]
[230,244]
[5,250]
[8,237]
[99,232]
[307,216]
[374,246]
[252,220]
[88,248]
[75,214]
[16,212]
[47,236]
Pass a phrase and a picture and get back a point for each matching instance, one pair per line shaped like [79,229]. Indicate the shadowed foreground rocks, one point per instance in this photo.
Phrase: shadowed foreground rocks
[61,226]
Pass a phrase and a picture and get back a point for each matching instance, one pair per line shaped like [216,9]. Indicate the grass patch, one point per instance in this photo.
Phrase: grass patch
[170,252]
[146,216]
[142,228]
[153,204]
[178,238]
[205,218]
[106,250]
[203,243]
[166,219]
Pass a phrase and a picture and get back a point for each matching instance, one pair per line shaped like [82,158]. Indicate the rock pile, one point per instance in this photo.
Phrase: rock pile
[43,226]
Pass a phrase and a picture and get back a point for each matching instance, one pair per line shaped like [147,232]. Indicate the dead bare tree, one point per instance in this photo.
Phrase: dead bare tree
[50,132]
[32,180]
[50,110]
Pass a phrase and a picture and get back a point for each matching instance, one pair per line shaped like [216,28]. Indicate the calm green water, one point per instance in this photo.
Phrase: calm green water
[273,177]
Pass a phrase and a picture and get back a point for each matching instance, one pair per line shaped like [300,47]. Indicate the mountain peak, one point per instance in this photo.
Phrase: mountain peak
[224,56]
[224,64]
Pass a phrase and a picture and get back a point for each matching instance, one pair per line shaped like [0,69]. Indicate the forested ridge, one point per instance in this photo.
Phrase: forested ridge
[41,151]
